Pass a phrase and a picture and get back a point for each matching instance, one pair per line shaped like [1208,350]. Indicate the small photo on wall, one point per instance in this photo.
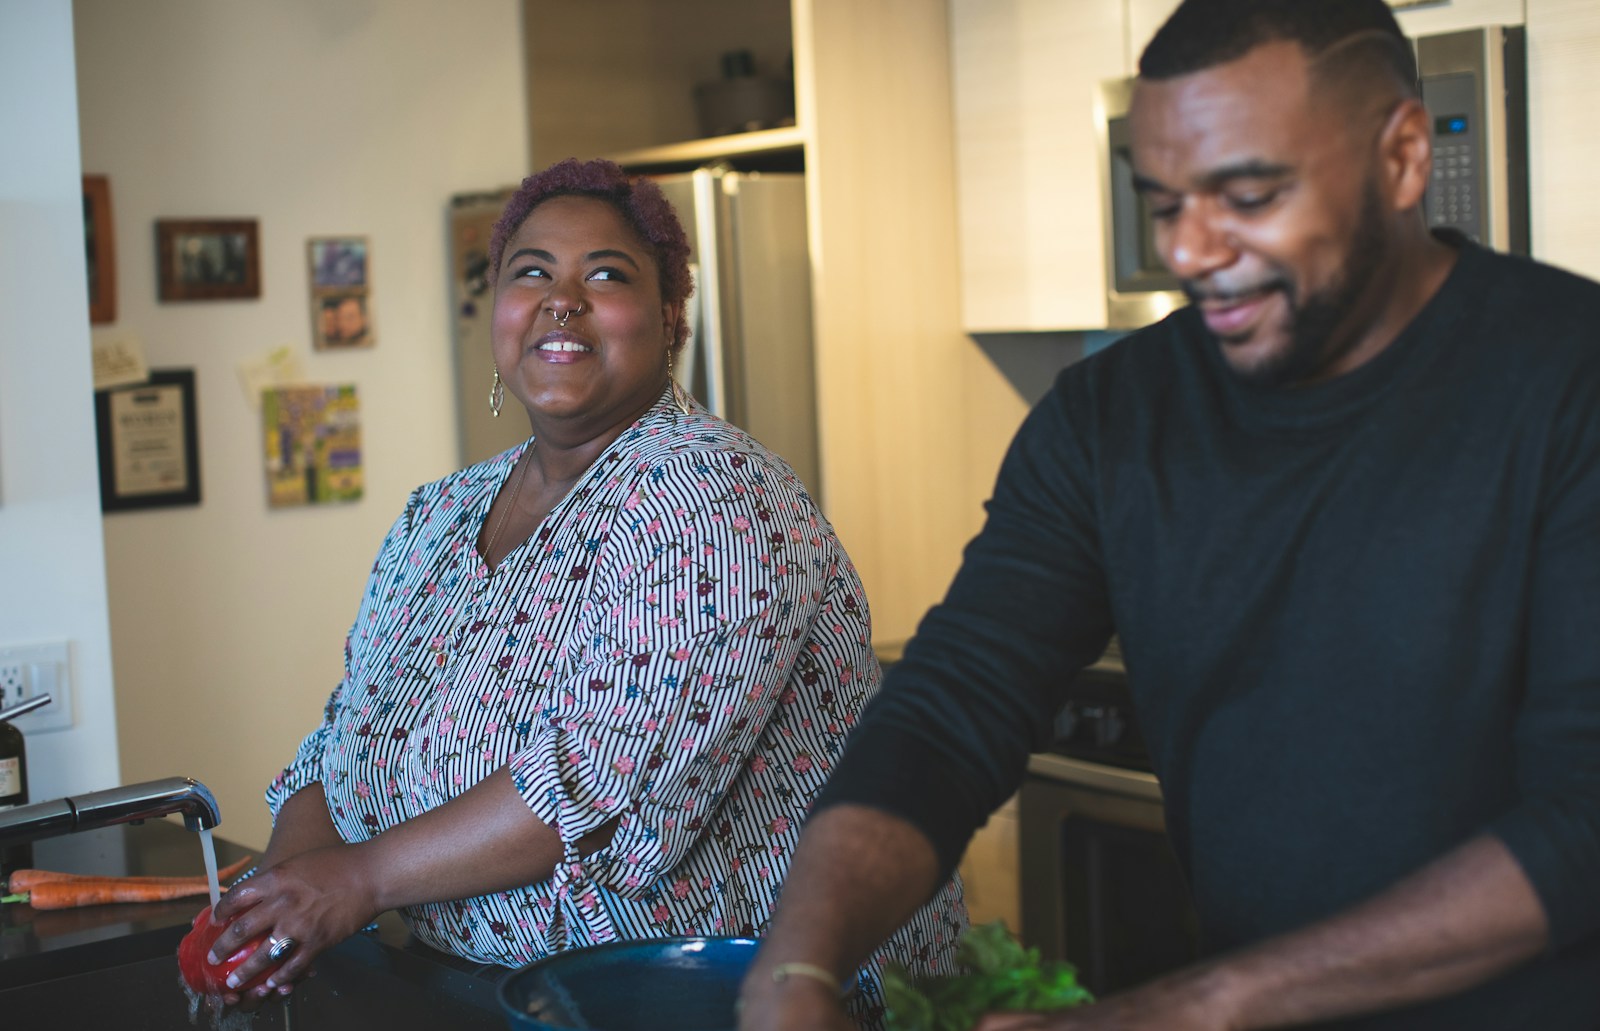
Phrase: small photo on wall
[342,320]
[340,295]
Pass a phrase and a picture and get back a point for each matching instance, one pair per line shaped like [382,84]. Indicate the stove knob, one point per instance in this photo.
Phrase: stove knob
[1066,722]
[1110,727]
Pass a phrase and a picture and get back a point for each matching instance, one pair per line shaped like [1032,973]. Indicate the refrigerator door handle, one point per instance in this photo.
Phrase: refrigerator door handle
[688,364]
[705,183]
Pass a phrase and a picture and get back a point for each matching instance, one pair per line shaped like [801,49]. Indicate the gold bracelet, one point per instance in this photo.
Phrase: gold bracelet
[783,971]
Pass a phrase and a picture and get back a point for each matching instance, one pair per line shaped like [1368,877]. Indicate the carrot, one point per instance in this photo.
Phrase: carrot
[28,880]
[68,894]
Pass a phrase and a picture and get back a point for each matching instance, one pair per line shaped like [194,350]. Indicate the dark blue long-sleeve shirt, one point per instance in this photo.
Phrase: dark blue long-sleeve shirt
[1361,619]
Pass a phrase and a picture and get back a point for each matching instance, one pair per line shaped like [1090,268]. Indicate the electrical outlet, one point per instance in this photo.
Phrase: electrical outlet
[29,670]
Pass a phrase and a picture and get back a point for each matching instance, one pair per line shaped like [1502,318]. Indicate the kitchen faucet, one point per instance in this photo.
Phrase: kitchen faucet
[133,803]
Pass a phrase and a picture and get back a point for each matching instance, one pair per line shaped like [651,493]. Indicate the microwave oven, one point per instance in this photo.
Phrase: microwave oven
[1474,83]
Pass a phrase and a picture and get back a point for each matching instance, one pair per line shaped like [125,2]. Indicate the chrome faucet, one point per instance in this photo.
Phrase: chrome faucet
[131,804]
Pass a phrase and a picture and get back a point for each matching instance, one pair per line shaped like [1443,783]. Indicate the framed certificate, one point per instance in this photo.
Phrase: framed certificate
[149,446]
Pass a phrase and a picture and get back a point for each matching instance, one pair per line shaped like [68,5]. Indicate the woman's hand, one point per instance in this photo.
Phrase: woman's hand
[316,898]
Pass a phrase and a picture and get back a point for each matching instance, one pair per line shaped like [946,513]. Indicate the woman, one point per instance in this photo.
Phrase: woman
[595,681]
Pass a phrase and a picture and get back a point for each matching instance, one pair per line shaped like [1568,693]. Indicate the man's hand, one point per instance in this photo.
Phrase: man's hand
[1190,1000]
[1456,923]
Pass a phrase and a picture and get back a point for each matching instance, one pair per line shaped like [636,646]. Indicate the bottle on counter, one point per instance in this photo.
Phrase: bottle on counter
[13,792]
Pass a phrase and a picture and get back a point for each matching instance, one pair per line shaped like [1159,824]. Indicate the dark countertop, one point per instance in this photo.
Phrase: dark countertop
[156,848]
[39,945]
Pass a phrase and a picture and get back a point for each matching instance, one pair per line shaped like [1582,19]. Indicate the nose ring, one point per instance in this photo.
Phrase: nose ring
[561,320]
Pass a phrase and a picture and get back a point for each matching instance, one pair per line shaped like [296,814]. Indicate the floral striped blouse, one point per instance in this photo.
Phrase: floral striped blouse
[681,646]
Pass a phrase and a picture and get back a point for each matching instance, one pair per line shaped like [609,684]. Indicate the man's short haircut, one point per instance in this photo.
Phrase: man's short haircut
[1202,34]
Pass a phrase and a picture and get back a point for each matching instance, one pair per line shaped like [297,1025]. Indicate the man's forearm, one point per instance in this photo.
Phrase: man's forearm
[857,876]
[1456,923]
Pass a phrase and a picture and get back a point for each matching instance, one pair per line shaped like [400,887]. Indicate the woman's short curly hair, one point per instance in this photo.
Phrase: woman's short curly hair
[641,204]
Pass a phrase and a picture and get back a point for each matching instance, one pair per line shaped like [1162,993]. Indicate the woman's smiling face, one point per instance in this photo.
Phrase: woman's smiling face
[577,257]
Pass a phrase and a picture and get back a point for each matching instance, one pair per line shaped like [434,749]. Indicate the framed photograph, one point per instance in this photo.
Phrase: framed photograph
[341,315]
[99,249]
[208,261]
[149,444]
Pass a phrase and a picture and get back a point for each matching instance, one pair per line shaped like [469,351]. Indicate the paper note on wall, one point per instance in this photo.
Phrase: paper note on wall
[118,359]
[274,368]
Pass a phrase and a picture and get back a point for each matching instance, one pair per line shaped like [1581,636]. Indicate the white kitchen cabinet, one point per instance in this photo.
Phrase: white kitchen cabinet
[1025,74]
[1563,88]
[1431,17]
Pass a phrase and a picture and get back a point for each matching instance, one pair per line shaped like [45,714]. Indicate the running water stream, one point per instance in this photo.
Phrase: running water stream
[209,851]
[221,1018]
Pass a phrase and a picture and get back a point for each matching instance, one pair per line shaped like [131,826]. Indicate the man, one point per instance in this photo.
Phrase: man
[1343,512]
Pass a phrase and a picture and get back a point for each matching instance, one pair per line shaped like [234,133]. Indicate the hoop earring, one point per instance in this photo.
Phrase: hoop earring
[497,394]
[680,397]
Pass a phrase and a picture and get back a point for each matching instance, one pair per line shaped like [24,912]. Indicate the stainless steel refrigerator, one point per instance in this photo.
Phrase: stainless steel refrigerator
[749,357]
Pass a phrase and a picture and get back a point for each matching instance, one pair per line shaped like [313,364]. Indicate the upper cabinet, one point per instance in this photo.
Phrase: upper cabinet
[1026,161]
[624,75]
[1563,87]
[1028,155]
[1430,17]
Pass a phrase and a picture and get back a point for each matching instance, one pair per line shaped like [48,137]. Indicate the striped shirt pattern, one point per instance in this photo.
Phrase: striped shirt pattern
[681,646]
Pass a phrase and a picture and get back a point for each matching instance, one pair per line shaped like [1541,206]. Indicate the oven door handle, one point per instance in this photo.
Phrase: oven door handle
[1133,783]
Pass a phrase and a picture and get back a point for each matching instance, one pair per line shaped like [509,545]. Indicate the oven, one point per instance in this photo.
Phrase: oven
[1101,887]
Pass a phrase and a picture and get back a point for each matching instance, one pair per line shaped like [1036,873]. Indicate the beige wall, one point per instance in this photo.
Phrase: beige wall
[355,117]
[52,573]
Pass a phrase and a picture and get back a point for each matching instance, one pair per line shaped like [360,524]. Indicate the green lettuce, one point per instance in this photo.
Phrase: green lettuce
[999,975]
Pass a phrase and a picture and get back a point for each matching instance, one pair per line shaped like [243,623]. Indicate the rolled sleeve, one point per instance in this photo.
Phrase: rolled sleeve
[714,577]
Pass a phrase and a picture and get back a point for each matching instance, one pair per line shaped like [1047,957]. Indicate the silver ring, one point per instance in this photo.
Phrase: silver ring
[279,948]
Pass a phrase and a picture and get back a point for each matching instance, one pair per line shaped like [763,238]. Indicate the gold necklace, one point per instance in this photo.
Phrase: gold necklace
[494,535]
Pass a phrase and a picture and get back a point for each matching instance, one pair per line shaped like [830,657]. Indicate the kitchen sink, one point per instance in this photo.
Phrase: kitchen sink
[131,984]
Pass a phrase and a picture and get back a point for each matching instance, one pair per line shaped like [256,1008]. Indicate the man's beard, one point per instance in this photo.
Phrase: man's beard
[1312,346]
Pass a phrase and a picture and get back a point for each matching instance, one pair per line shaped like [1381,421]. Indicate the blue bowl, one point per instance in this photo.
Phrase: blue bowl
[661,984]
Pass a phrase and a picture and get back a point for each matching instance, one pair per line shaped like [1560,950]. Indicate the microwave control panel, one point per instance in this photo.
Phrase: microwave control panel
[1455,198]
[1474,84]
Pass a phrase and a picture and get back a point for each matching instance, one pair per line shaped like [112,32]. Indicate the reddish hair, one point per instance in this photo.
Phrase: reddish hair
[639,201]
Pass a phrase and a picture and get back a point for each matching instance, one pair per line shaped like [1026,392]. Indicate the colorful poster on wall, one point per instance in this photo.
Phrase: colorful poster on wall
[313,444]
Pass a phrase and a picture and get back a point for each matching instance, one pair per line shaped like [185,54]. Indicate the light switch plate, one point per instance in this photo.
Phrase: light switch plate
[29,670]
